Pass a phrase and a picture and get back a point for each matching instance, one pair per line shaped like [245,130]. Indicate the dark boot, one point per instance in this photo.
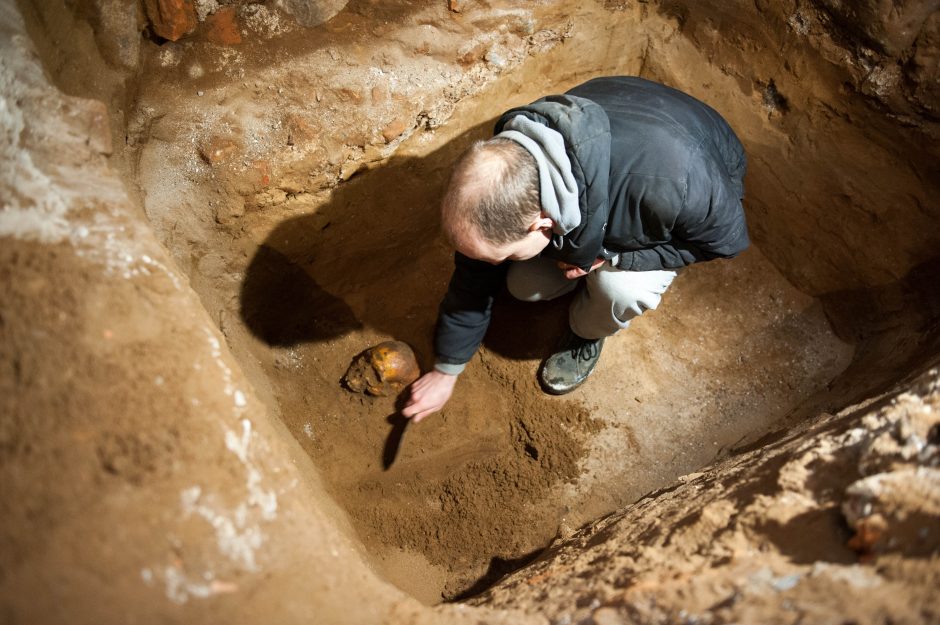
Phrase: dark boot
[569,366]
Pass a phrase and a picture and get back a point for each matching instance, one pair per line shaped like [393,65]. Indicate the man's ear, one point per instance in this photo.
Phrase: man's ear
[541,223]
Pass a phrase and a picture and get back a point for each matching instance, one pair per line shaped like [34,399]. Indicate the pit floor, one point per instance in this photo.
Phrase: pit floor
[483,486]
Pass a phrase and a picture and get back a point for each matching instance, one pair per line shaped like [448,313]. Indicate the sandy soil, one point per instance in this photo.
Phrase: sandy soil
[499,474]
[293,180]
[734,349]
[470,492]
[814,525]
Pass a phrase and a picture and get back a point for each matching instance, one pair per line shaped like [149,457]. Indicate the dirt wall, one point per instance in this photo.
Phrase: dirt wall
[143,480]
[833,522]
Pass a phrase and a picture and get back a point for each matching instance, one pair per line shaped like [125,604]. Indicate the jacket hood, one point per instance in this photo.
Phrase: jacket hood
[585,130]
[558,190]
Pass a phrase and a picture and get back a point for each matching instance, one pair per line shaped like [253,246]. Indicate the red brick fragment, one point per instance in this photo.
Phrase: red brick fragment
[263,169]
[393,130]
[171,19]
[222,27]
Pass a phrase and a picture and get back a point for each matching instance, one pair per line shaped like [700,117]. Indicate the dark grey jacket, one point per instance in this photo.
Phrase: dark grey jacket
[660,184]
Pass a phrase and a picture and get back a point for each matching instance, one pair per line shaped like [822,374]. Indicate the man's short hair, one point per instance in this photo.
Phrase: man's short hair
[494,190]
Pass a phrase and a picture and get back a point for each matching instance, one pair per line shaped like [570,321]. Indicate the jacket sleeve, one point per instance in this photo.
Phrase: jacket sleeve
[709,225]
[672,255]
[464,314]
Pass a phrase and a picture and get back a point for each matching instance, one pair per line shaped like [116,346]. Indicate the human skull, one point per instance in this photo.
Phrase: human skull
[383,370]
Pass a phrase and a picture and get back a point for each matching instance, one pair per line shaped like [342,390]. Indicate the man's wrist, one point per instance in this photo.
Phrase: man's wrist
[449,368]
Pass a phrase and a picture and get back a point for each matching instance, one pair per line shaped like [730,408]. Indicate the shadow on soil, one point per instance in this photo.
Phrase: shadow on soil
[498,568]
[372,257]
[284,306]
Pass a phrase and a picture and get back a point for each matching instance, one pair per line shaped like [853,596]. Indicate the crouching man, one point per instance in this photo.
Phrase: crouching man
[607,189]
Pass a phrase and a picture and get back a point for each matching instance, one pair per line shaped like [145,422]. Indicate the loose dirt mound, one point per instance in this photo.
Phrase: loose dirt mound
[467,500]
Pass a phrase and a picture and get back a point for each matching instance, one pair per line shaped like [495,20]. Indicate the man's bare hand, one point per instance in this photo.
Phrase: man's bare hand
[429,393]
[573,271]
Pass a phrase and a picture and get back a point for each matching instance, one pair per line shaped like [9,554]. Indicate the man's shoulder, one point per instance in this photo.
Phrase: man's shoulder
[578,119]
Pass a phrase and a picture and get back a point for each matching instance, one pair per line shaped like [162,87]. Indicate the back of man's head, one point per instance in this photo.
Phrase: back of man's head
[493,193]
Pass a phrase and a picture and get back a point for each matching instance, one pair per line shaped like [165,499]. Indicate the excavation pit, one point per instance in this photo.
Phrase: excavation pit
[503,470]
[294,179]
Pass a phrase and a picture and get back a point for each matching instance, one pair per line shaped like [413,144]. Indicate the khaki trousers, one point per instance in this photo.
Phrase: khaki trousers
[608,301]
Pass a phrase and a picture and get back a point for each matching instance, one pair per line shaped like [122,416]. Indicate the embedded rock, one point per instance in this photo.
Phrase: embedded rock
[890,27]
[896,512]
[117,32]
[217,150]
[171,19]
[313,12]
